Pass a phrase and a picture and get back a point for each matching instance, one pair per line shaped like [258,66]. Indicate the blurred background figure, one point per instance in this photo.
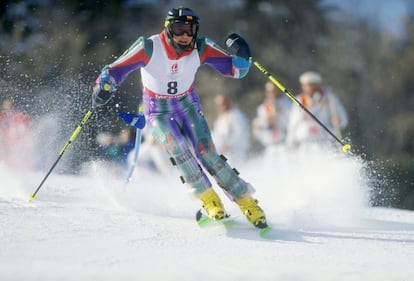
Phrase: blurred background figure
[108,148]
[231,130]
[15,141]
[116,148]
[18,19]
[151,155]
[323,104]
[270,124]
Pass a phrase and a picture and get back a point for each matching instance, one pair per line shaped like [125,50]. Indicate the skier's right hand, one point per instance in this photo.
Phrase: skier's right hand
[103,90]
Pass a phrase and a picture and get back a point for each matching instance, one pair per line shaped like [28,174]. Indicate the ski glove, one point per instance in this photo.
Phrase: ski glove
[103,90]
[237,46]
[135,120]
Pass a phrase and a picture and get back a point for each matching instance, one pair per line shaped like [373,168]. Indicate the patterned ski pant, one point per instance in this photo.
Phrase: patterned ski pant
[180,127]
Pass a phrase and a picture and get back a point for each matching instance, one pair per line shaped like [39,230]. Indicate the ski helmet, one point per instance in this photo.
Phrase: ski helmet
[179,21]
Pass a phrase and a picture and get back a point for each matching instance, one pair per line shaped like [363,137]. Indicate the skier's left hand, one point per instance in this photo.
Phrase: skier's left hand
[135,120]
[103,90]
[237,46]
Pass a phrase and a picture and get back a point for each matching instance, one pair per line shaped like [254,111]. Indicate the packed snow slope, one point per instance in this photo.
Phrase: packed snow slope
[94,227]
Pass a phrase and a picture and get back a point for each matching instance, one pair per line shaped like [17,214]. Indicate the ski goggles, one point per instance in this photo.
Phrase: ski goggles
[179,28]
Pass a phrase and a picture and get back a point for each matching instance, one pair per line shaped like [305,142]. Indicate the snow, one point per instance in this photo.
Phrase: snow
[93,226]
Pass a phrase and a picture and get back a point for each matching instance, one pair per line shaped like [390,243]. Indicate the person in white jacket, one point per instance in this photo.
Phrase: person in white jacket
[323,104]
[270,124]
[231,130]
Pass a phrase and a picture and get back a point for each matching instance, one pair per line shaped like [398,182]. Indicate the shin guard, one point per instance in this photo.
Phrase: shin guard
[228,179]
[191,172]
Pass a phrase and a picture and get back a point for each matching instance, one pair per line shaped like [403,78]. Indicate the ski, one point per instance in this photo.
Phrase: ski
[203,221]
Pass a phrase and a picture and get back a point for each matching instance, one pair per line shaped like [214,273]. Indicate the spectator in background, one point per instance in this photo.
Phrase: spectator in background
[18,19]
[151,154]
[15,142]
[231,130]
[116,148]
[108,147]
[270,124]
[323,104]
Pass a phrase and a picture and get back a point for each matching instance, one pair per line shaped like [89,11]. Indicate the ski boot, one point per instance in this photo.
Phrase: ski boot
[212,204]
[254,214]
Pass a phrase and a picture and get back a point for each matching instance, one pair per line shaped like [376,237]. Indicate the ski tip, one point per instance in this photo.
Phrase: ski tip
[32,197]
[265,231]
[202,220]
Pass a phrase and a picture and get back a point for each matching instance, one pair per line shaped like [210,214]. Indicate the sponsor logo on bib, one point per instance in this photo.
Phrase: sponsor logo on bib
[174,68]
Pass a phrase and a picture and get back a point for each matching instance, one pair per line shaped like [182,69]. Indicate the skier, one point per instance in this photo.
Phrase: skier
[323,104]
[168,62]
[231,130]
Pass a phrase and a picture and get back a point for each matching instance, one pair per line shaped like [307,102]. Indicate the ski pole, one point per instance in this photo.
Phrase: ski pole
[138,139]
[345,146]
[64,149]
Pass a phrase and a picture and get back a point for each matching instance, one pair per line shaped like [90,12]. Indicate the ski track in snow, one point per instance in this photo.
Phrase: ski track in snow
[93,226]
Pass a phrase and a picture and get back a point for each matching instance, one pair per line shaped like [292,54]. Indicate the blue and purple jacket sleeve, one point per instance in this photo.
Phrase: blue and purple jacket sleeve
[220,60]
[137,56]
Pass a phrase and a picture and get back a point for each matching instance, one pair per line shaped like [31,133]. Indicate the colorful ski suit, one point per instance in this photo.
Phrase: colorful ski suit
[173,110]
